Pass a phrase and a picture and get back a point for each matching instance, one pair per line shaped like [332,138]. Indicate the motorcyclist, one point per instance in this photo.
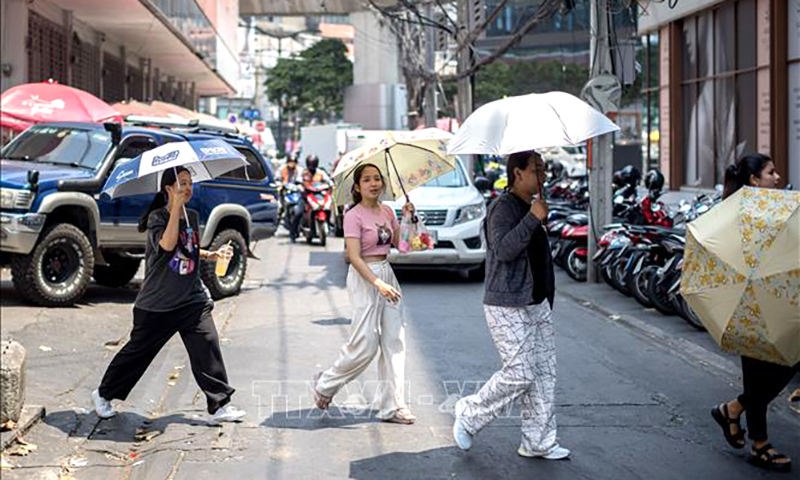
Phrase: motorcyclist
[311,176]
[289,172]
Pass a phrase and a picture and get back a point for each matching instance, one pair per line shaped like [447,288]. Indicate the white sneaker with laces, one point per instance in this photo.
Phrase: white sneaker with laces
[102,406]
[228,413]
[460,433]
[557,453]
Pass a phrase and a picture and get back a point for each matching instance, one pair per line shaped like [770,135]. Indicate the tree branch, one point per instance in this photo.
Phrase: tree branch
[545,10]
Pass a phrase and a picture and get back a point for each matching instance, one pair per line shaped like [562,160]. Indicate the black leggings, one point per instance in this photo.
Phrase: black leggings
[763,381]
[151,331]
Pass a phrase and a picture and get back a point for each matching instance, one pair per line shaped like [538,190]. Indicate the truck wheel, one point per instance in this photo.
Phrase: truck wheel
[231,283]
[119,272]
[57,271]
[476,274]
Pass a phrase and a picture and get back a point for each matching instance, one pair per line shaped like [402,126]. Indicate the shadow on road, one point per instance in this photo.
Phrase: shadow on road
[125,427]
[446,463]
[314,419]
[95,295]
[329,322]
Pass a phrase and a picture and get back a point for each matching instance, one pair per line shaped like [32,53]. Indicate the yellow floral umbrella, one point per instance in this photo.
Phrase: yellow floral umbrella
[741,274]
[406,159]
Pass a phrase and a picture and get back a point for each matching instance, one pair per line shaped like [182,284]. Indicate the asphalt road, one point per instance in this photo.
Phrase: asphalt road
[634,388]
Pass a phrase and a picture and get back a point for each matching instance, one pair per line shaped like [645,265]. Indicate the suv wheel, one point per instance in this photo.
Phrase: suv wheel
[231,283]
[119,272]
[57,271]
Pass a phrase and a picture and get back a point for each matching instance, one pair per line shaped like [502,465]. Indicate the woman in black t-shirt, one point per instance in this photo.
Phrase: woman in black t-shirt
[172,299]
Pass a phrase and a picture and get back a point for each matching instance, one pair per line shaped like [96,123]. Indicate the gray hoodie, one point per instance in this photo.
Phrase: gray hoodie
[519,267]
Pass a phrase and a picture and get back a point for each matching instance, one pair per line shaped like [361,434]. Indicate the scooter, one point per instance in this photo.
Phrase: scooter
[289,197]
[319,202]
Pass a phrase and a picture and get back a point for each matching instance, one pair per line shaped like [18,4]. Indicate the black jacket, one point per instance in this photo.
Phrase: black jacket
[519,266]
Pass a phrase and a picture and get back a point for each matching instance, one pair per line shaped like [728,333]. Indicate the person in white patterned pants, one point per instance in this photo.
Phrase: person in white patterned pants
[525,340]
[519,294]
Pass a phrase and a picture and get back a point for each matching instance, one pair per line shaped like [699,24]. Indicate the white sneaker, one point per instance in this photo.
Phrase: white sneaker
[102,406]
[460,433]
[558,453]
[228,413]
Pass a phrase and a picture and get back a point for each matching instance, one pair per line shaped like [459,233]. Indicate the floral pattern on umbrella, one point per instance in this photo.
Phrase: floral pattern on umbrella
[748,334]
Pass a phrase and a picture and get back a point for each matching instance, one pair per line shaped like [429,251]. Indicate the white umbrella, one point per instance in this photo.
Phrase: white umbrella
[529,122]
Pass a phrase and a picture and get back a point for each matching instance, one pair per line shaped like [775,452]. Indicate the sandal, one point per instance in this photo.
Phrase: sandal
[723,418]
[321,401]
[402,416]
[762,457]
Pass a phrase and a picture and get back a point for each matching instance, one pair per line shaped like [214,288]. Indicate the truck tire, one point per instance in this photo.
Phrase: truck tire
[57,271]
[119,272]
[231,283]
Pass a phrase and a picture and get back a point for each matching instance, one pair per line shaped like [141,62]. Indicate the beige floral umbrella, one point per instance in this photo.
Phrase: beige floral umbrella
[406,160]
[741,274]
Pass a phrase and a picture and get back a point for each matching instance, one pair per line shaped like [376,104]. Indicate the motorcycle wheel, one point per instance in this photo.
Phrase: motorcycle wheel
[640,283]
[618,276]
[605,274]
[322,232]
[688,314]
[574,265]
[659,295]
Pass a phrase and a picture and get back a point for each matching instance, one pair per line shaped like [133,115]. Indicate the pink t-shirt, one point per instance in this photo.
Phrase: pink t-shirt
[374,227]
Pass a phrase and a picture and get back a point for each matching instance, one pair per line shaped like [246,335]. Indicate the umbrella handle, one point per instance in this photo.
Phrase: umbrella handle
[389,159]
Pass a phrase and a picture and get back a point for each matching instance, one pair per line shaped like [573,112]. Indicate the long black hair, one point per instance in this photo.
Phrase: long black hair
[169,177]
[738,173]
[357,180]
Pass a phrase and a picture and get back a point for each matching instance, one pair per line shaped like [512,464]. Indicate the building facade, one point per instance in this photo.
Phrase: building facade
[722,79]
[170,50]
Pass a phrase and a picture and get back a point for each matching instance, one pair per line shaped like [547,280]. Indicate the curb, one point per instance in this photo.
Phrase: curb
[687,350]
[30,416]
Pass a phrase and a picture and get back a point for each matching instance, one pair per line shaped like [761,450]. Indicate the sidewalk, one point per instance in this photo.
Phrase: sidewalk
[671,332]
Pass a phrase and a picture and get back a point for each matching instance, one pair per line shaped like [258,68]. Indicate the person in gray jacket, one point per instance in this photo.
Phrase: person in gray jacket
[520,287]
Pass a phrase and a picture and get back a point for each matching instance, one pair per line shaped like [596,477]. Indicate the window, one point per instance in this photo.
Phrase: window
[650,96]
[719,90]
[135,147]
[255,170]
[76,147]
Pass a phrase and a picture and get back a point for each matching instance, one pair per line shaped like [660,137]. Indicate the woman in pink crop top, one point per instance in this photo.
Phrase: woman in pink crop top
[370,230]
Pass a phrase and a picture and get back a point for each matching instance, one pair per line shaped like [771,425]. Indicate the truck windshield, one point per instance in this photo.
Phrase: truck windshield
[72,146]
[453,179]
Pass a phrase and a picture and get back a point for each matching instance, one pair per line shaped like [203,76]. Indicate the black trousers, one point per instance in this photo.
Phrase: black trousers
[763,381]
[151,331]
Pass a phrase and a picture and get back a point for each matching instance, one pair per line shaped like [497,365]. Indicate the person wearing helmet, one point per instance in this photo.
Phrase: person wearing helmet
[654,181]
[311,175]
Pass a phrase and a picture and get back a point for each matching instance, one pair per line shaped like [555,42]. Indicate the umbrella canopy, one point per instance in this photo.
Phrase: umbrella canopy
[205,159]
[51,102]
[134,107]
[406,160]
[12,122]
[741,274]
[529,122]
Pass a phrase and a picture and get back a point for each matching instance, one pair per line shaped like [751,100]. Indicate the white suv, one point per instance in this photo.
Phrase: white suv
[453,210]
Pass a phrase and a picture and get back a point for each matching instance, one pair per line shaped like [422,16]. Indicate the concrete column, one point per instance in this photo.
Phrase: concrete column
[193,95]
[68,30]
[157,93]
[144,69]
[377,54]
[13,54]
[125,71]
[101,38]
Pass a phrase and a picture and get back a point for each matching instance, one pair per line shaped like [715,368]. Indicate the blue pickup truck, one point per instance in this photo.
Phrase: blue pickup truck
[57,232]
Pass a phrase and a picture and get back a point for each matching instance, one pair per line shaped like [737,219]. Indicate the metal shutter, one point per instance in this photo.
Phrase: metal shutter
[86,65]
[47,50]
[113,79]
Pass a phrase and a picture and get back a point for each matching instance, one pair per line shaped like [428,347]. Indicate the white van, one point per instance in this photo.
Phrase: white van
[453,210]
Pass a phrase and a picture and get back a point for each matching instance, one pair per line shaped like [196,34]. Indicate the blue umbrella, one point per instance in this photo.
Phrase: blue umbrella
[204,159]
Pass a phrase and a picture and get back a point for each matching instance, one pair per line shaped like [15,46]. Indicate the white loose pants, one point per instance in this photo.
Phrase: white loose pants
[525,339]
[377,324]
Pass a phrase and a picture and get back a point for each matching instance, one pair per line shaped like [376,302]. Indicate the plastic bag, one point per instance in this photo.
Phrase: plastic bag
[414,237]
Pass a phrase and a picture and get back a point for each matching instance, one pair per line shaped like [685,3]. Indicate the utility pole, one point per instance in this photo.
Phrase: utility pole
[602,165]
[464,95]
[429,107]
